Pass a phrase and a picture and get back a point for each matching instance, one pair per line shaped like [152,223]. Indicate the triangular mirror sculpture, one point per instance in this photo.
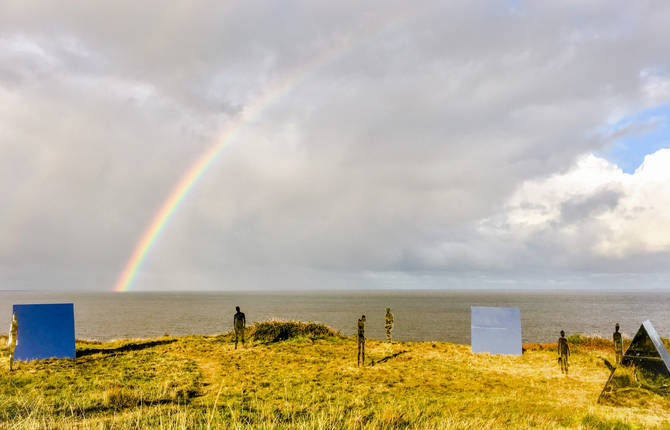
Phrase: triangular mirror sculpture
[647,351]
[644,367]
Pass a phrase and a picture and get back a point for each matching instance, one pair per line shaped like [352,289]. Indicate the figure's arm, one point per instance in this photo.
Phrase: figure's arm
[244,320]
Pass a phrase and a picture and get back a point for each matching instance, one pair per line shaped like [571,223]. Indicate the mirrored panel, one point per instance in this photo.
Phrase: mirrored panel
[495,330]
[45,331]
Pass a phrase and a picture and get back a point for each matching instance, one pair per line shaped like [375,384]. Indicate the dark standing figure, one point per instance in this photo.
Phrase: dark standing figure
[361,340]
[388,324]
[239,323]
[563,352]
[618,344]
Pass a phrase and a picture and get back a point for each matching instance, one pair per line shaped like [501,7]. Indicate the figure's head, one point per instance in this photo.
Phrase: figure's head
[237,308]
[388,309]
[14,316]
[562,333]
[616,327]
[363,318]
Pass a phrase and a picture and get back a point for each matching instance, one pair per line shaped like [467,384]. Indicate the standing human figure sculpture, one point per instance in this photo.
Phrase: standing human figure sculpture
[239,324]
[13,340]
[388,324]
[361,340]
[618,344]
[563,352]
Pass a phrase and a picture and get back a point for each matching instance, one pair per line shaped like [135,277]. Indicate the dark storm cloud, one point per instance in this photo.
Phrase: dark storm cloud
[380,164]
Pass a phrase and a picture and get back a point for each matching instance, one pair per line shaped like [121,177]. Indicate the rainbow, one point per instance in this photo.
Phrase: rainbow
[207,159]
[229,133]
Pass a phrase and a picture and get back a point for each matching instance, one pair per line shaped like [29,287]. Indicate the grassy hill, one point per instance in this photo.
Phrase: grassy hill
[304,376]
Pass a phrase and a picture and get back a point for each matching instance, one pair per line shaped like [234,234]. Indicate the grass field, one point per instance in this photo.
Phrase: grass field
[305,377]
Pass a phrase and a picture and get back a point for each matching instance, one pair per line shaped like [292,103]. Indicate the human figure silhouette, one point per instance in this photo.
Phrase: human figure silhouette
[361,340]
[239,323]
[563,352]
[13,340]
[618,344]
[388,324]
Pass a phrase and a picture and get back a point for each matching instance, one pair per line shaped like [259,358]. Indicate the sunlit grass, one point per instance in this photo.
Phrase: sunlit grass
[311,381]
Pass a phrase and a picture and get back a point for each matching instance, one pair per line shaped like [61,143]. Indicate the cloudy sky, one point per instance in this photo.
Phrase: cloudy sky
[376,145]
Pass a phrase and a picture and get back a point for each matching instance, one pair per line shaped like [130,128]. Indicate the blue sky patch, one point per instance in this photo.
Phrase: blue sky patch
[635,136]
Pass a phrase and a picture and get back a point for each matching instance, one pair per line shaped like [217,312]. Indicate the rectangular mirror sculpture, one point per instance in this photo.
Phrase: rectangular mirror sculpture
[495,330]
[44,331]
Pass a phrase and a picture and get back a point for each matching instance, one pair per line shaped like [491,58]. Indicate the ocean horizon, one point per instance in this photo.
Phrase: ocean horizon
[420,315]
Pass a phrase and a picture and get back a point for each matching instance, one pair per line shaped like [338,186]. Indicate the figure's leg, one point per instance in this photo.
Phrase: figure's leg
[242,334]
[235,338]
[358,356]
[363,352]
[11,359]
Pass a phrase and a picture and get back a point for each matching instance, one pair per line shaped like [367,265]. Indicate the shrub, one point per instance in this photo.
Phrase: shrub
[276,330]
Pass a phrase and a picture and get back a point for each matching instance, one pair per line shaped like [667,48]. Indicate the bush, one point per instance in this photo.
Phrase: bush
[594,342]
[275,330]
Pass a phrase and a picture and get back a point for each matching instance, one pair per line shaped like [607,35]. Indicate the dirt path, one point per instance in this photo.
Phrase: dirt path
[210,370]
[209,360]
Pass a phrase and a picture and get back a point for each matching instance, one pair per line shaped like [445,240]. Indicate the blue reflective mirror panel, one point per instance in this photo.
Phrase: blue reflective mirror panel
[495,330]
[45,331]
[658,343]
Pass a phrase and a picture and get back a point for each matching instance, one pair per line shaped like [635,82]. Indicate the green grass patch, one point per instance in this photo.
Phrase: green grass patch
[95,384]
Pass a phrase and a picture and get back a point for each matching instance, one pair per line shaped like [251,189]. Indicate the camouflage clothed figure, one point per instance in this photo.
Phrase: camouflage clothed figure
[618,344]
[563,352]
[388,324]
[13,340]
[361,340]
[239,323]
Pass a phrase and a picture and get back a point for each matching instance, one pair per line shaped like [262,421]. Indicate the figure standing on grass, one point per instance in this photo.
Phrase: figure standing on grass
[361,340]
[618,344]
[388,324]
[239,323]
[563,352]
[13,340]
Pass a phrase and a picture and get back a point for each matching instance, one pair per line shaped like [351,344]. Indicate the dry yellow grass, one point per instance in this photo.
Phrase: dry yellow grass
[303,383]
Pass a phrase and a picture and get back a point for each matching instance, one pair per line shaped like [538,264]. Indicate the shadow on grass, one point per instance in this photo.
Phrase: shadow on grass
[125,348]
[388,357]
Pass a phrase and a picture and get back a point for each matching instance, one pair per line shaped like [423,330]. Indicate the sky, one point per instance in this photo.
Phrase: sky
[380,144]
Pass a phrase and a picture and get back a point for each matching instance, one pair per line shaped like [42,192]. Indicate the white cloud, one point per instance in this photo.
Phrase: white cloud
[621,215]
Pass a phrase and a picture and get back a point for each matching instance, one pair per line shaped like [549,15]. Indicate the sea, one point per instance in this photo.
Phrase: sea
[419,315]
